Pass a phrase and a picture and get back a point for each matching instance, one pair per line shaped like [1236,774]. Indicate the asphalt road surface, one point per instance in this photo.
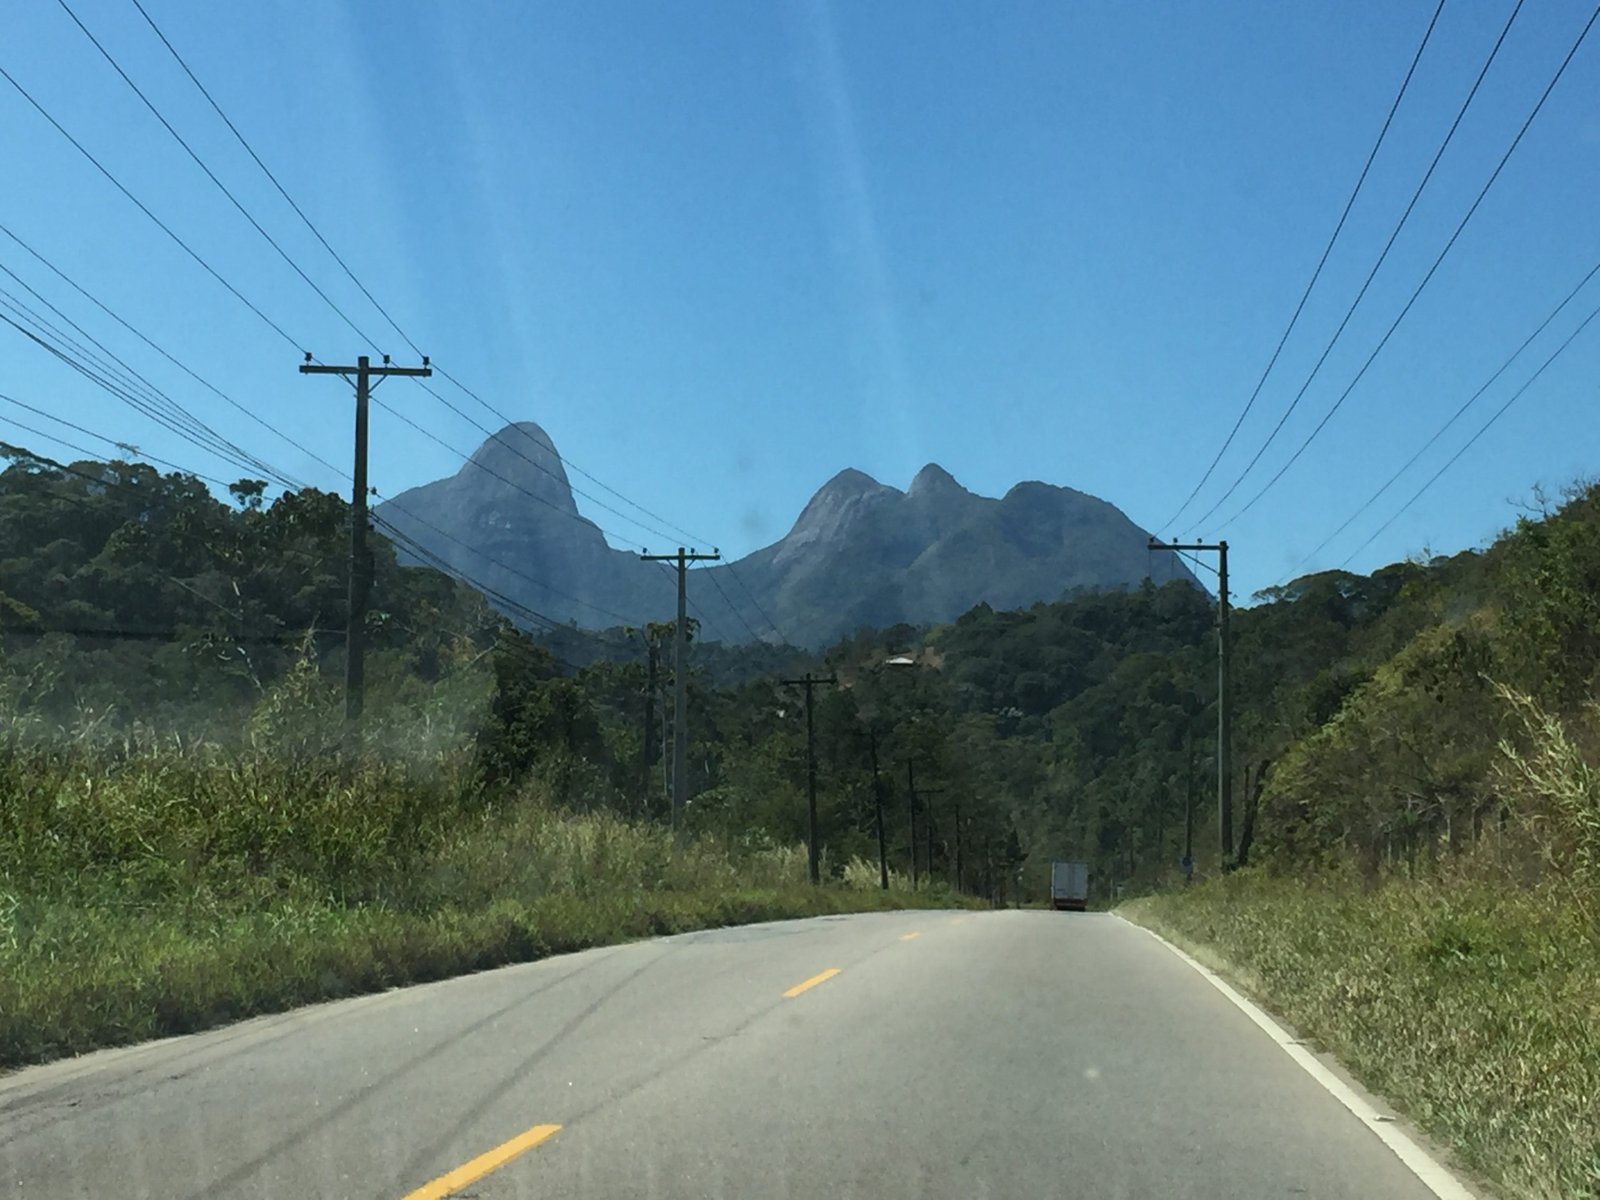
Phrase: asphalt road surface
[992,1054]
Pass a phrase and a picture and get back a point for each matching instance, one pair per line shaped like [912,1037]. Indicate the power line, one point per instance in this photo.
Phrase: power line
[535,463]
[538,620]
[488,558]
[1321,262]
[1482,429]
[739,579]
[217,108]
[152,402]
[142,207]
[716,583]
[365,291]
[127,374]
[694,608]
[1195,561]
[472,461]
[243,461]
[1395,324]
[131,391]
[1383,255]
[90,454]
[187,370]
[1454,417]
[571,466]
[439,562]
[139,457]
[211,175]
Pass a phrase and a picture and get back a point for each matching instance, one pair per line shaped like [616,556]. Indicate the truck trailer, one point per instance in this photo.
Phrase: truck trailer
[1069,886]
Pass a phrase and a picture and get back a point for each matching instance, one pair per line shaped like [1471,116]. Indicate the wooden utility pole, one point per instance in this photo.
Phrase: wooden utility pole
[680,681]
[877,808]
[1224,693]
[360,585]
[927,813]
[647,750]
[809,683]
[911,790]
[957,803]
[1188,810]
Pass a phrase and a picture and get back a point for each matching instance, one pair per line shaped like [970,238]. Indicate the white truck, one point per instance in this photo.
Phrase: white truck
[1069,885]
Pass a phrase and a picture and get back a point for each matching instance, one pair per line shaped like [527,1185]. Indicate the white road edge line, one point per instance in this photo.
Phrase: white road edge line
[1434,1176]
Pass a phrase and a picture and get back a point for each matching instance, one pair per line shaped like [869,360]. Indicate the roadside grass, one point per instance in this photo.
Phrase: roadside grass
[1471,1004]
[151,887]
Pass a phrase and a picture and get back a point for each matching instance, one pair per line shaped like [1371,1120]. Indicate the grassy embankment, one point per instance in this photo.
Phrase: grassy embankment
[1464,986]
[1472,1005]
[149,887]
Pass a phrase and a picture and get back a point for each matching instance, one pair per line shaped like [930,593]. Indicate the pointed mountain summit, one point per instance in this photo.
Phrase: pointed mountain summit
[934,480]
[523,457]
[861,553]
[837,505]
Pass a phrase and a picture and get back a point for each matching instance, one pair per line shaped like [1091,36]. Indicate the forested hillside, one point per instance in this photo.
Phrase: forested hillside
[1369,709]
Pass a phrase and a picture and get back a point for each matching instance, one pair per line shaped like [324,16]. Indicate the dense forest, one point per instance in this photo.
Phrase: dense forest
[1370,710]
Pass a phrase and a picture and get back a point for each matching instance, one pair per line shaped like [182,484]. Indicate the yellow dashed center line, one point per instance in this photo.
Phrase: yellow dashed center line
[490,1160]
[821,977]
[906,937]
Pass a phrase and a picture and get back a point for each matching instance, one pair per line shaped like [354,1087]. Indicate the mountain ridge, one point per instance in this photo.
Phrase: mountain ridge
[861,552]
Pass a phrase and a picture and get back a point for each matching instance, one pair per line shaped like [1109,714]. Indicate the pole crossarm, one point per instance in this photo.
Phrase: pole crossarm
[360,586]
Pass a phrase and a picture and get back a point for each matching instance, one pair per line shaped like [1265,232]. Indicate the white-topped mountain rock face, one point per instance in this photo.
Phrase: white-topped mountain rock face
[861,553]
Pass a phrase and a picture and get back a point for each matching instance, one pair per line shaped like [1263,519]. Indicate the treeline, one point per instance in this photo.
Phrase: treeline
[1380,720]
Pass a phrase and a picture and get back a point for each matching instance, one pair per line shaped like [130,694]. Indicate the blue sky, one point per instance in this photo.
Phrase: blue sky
[722,250]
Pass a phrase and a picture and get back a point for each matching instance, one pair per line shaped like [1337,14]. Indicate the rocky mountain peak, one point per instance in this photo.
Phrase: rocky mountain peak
[521,456]
[836,505]
[934,480]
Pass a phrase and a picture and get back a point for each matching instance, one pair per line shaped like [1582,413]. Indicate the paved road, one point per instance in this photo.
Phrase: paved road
[994,1054]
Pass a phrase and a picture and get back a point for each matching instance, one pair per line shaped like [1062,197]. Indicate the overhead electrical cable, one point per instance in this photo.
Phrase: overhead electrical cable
[1316,274]
[1470,442]
[265,170]
[472,461]
[182,366]
[717,583]
[677,530]
[1454,417]
[142,207]
[1426,279]
[493,561]
[211,175]
[367,292]
[245,463]
[87,453]
[533,462]
[739,579]
[1366,284]
[134,389]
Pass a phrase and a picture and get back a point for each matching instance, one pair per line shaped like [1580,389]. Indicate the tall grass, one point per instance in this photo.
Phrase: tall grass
[152,884]
[1470,997]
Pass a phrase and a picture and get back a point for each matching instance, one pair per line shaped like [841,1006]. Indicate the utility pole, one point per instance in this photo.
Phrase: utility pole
[877,806]
[809,682]
[911,786]
[647,749]
[1224,693]
[911,790]
[360,585]
[957,803]
[1188,811]
[927,812]
[680,681]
